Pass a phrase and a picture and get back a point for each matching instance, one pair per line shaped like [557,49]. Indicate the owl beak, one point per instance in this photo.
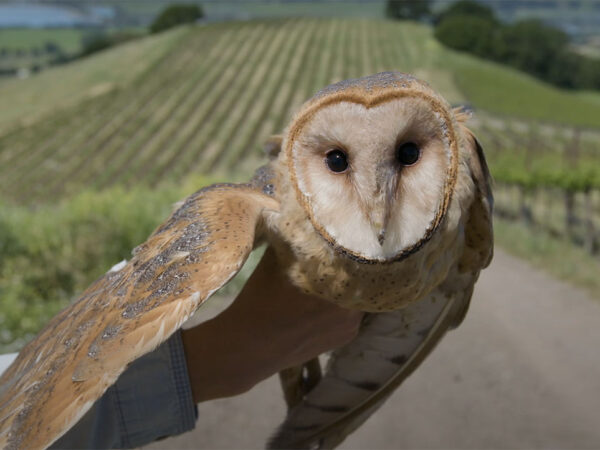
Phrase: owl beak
[385,193]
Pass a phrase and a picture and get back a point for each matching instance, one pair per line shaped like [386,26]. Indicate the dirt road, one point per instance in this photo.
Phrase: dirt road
[523,371]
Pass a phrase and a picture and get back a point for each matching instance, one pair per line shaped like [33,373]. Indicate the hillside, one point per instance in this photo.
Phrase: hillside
[64,86]
[203,99]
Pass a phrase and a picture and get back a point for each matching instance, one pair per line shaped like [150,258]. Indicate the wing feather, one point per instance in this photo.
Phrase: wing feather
[363,374]
[128,312]
[479,232]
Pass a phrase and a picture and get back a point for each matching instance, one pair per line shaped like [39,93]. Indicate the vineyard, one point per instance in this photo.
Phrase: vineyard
[547,177]
[219,91]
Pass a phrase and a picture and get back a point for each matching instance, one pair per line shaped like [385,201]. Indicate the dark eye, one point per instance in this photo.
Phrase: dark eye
[408,154]
[336,161]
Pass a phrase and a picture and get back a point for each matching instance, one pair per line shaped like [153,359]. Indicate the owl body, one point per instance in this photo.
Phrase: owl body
[377,199]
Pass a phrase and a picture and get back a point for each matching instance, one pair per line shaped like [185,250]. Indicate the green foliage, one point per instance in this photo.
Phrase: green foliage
[174,15]
[94,42]
[101,40]
[572,70]
[53,252]
[468,33]
[407,9]
[469,8]
[545,170]
[528,45]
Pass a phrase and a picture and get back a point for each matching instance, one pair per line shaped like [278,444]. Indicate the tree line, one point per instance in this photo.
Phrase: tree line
[528,45]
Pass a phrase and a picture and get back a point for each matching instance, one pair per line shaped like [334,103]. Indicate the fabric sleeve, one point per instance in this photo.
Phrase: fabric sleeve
[152,399]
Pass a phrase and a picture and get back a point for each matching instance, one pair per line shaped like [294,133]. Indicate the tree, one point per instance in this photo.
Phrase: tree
[531,46]
[51,47]
[589,76]
[467,8]
[468,33]
[407,9]
[176,15]
[94,42]
[574,71]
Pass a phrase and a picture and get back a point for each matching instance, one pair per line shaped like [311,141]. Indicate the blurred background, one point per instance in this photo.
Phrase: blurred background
[110,111]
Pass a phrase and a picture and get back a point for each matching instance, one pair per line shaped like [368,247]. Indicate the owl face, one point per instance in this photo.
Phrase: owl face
[374,171]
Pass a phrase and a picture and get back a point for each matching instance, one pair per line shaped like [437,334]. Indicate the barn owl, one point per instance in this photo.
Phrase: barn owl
[377,198]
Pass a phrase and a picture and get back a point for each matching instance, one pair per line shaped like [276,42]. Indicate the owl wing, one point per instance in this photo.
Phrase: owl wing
[362,375]
[479,232]
[129,311]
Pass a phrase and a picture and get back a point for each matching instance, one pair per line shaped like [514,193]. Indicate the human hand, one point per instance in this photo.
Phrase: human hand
[270,326]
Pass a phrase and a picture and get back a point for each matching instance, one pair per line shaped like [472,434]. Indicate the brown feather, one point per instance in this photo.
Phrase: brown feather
[479,233]
[127,313]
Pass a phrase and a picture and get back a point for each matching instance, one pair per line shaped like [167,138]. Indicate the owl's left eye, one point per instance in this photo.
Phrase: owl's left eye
[336,161]
[408,153]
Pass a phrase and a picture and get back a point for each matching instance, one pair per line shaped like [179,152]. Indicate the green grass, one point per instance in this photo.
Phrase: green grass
[556,256]
[68,39]
[506,91]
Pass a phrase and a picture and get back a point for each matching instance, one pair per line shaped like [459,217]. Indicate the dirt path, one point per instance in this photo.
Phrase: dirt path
[523,371]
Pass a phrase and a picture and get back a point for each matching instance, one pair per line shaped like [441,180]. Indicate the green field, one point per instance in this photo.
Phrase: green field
[203,99]
[24,48]
[68,39]
[65,88]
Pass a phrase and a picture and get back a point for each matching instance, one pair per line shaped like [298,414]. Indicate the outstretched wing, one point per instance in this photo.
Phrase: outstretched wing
[390,346]
[128,312]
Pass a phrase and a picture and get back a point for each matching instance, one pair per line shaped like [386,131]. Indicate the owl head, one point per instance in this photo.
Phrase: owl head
[373,162]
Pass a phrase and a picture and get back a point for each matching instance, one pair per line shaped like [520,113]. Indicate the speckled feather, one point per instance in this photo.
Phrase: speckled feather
[128,312]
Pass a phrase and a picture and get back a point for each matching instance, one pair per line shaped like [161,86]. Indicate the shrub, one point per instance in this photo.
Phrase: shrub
[94,42]
[468,33]
[53,252]
[531,46]
[467,8]
[176,15]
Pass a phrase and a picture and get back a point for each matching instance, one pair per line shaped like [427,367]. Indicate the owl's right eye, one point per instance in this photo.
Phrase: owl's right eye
[336,161]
